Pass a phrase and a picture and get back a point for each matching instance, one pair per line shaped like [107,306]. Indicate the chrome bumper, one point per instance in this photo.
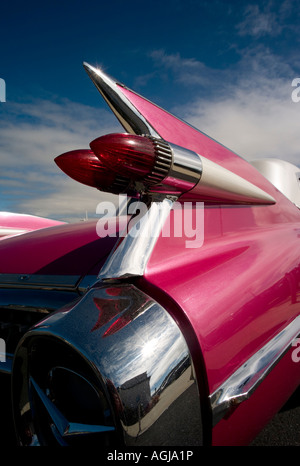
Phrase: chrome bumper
[125,350]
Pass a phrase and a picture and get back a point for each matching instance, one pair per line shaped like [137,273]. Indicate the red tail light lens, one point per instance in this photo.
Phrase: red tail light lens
[136,157]
[83,166]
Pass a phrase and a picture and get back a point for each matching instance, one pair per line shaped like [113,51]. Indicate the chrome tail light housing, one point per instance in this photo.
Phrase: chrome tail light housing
[112,370]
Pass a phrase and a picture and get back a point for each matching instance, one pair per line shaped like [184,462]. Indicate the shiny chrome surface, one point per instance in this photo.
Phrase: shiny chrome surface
[48,282]
[130,256]
[35,281]
[86,283]
[184,173]
[241,384]
[121,346]
[225,186]
[186,168]
[162,164]
[129,117]
[283,175]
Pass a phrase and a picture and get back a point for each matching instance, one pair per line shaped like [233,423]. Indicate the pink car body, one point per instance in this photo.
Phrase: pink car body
[235,300]
[12,224]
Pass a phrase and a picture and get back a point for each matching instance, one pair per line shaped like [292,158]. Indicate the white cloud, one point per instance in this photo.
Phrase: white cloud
[186,71]
[250,109]
[32,135]
[269,18]
[256,123]
[259,21]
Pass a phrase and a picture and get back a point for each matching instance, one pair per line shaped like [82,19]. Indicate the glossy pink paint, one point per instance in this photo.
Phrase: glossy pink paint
[240,288]
[13,223]
[237,292]
[72,249]
[247,421]
[230,296]
[179,132]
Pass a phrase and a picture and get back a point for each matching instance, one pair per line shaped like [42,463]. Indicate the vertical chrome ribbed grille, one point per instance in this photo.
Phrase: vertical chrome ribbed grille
[163,161]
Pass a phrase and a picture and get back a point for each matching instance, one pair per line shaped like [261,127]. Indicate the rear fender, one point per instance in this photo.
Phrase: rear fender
[111,366]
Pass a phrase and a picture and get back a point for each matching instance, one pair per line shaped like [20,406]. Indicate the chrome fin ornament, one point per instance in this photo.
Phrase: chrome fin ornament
[130,118]
[225,186]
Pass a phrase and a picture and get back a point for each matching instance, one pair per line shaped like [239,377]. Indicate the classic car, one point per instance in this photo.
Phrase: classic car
[12,224]
[174,321]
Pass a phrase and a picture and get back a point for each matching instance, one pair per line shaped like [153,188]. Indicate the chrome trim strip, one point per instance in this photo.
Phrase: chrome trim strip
[131,254]
[86,283]
[129,117]
[46,282]
[34,300]
[242,383]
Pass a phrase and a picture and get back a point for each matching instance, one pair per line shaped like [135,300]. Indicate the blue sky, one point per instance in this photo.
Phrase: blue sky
[224,66]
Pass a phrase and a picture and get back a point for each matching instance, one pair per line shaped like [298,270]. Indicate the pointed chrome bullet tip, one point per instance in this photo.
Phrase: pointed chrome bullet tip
[129,117]
[89,68]
[93,70]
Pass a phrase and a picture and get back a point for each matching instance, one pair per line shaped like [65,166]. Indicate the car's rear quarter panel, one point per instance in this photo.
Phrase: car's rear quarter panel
[237,291]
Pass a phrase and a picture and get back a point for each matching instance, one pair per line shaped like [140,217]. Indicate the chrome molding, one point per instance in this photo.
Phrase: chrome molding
[129,117]
[242,383]
[186,169]
[33,300]
[86,283]
[45,282]
[131,254]
[118,343]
